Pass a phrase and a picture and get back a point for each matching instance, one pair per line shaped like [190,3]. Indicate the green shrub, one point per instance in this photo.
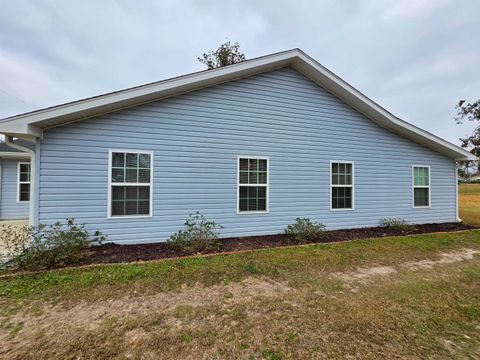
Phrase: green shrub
[200,235]
[396,224]
[43,247]
[305,230]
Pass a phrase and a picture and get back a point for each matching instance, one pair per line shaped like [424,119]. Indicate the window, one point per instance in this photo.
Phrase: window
[24,176]
[252,184]
[341,182]
[130,183]
[421,186]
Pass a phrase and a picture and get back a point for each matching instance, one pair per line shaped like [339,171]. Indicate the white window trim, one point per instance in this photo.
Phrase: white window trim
[352,186]
[267,185]
[110,184]
[429,187]
[23,182]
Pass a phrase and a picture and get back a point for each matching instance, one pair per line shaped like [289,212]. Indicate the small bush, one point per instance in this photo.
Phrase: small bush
[43,247]
[305,230]
[200,235]
[396,224]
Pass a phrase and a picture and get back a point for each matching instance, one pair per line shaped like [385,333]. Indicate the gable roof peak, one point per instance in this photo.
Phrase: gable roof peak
[32,124]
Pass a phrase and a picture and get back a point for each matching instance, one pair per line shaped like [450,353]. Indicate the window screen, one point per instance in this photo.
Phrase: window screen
[252,186]
[131,184]
[421,186]
[342,185]
[24,177]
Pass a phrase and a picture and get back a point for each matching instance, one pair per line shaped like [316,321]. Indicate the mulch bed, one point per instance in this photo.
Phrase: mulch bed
[114,253]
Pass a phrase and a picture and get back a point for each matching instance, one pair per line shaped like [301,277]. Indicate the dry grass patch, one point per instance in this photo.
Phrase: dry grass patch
[414,314]
[469,203]
[271,304]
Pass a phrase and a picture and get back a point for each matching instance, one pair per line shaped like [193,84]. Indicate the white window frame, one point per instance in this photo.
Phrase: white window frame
[110,184]
[352,186]
[267,185]
[429,187]
[19,164]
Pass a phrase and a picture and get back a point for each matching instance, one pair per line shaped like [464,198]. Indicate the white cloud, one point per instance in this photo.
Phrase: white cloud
[444,68]
[21,77]
[414,9]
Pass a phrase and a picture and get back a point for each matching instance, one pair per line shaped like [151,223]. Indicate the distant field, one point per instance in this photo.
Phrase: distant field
[469,202]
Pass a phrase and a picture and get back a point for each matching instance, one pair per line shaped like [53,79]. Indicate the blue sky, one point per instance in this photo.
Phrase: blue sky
[416,58]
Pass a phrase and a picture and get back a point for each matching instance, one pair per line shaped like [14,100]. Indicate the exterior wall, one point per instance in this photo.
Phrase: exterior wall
[196,138]
[9,207]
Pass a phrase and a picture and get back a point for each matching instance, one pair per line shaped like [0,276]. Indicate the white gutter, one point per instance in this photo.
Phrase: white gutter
[31,125]
[9,142]
[13,155]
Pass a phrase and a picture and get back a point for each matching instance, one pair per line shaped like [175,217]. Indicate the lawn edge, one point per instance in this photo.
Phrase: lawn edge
[201,256]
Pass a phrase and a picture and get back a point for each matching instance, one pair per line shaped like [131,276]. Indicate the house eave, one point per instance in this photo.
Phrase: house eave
[30,125]
[14,155]
[331,82]
[86,108]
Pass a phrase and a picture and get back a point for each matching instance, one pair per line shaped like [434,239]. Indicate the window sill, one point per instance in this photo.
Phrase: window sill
[251,212]
[129,217]
[335,210]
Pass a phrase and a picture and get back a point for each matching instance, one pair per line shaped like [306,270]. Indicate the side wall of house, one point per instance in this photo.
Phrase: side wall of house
[10,209]
[196,138]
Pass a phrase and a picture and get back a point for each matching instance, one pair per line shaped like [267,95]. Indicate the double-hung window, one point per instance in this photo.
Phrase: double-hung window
[24,176]
[341,183]
[130,185]
[421,186]
[252,184]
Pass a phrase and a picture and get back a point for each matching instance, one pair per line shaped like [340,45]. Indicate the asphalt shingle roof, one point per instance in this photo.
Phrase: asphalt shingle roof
[27,144]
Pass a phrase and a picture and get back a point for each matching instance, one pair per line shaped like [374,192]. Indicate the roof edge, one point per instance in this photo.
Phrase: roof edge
[147,86]
[33,123]
[13,155]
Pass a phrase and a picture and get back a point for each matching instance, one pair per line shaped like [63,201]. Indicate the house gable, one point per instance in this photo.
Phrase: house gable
[197,138]
[31,125]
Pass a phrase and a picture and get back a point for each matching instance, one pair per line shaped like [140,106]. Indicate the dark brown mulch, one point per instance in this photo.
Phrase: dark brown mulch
[113,253]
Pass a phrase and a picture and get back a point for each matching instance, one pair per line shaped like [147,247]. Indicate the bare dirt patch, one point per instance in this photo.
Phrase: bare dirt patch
[367,273]
[91,316]
[444,258]
[135,336]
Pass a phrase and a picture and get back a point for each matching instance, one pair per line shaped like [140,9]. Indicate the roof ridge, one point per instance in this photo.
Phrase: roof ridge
[32,124]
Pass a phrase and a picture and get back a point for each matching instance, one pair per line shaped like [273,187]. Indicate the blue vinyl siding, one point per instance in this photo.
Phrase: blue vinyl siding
[9,207]
[196,138]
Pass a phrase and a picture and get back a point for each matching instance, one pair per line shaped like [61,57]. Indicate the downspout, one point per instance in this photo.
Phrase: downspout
[9,142]
[456,193]
[1,184]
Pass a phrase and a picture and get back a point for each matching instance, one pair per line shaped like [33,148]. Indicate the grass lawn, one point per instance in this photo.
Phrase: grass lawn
[469,203]
[399,297]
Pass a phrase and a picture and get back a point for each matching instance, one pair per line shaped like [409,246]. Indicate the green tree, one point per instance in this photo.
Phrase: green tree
[469,112]
[225,54]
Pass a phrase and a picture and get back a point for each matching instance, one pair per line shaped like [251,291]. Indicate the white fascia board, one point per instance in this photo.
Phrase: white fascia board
[325,78]
[13,155]
[21,129]
[150,92]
